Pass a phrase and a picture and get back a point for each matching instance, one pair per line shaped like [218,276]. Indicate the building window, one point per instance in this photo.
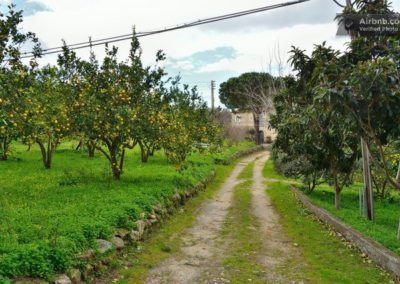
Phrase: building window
[238,118]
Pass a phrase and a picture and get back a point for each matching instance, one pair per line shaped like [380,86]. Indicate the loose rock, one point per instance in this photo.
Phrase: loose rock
[158,209]
[62,279]
[104,246]
[86,255]
[118,242]
[141,225]
[88,272]
[75,275]
[122,233]
[135,235]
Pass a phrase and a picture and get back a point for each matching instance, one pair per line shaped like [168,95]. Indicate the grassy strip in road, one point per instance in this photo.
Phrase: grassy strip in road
[247,172]
[241,232]
[329,258]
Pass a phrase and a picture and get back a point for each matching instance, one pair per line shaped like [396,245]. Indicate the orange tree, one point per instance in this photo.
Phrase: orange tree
[49,120]
[150,123]
[145,86]
[189,125]
[108,105]
[15,78]
[72,72]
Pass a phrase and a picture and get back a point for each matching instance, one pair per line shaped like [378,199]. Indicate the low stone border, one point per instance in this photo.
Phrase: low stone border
[239,154]
[377,252]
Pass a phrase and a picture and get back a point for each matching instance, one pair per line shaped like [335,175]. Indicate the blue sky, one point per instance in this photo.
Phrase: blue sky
[29,7]
[213,52]
[190,67]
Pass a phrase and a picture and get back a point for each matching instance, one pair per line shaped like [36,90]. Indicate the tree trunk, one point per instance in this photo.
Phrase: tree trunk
[338,189]
[91,148]
[91,151]
[116,172]
[153,149]
[312,184]
[143,153]
[4,148]
[115,167]
[80,145]
[4,157]
[47,154]
[337,199]
[256,117]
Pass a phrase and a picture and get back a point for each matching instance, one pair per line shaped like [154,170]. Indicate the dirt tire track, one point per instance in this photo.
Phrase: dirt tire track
[278,249]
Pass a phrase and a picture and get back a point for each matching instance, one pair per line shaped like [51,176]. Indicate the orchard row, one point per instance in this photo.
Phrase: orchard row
[109,106]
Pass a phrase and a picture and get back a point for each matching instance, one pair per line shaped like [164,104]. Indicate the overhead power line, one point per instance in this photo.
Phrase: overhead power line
[92,43]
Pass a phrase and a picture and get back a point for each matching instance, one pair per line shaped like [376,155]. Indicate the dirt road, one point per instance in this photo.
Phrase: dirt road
[201,257]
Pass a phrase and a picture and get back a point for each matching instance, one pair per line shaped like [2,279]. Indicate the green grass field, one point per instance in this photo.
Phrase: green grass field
[387,214]
[329,260]
[48,216]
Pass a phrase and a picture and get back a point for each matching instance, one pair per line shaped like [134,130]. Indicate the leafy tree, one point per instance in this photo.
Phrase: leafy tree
[190,125]
[370,94]
[50,119]
[109,106]
[149,124]
[309,128]
[15,77]
[339,97]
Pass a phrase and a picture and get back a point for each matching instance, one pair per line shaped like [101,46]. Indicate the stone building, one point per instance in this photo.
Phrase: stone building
[246,120]
[239,125]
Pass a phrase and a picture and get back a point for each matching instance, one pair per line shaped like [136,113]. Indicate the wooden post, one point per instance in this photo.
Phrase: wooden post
[368,191]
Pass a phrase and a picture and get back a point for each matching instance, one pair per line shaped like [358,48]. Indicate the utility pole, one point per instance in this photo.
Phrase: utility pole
[368,190]
[212,95]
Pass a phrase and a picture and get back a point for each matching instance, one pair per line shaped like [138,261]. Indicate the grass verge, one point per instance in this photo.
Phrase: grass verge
[330,260]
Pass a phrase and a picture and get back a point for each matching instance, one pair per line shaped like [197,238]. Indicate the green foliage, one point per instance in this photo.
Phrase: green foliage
[336,99]
[297,168]
[387,212]
[236,92]
[309,128]
[110,106]
[15,78]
